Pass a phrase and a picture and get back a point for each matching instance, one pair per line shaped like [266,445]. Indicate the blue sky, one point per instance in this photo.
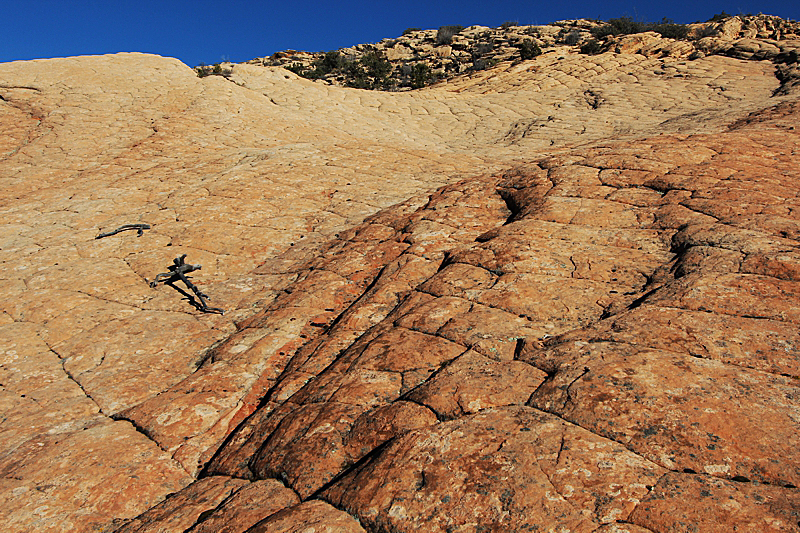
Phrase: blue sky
[210,31]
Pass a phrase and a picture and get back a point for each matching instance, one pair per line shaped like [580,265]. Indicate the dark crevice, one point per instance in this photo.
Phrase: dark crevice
[352,468]
[355,302]
[120,417]
[203,516]
[518,348]
[546,382]
[26,87]
[513,206]
[567,392]
[204,472]
[404,398]
[75,380]
[209,512]
[640,300]
[289,367]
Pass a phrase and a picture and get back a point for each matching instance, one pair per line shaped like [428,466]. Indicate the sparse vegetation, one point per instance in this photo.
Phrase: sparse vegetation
[627,26]
[297,68]
[719,17]
[216,69]
[369,72]
[482,48]
[667,28]
[446,33]
[572,38]
[415,63]
[528,49]
[619,26]
[591,47]
[421,76]
[481,63]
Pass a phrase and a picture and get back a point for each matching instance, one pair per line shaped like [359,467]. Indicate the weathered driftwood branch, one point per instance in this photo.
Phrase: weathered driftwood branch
[177,272]
[138,227]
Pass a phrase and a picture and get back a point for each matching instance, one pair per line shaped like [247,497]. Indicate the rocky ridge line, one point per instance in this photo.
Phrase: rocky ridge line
[422,57]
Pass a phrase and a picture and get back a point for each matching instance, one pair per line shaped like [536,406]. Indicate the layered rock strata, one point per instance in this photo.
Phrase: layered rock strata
[588,340]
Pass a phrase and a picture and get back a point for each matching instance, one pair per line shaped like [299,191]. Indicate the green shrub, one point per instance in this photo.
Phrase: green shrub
[528,49]
[204,70]
[481,49]
[376,65]
[480,63]
[509,24]
[421,76]
[356,77]
[369,72]
[297,68]
[410,30]
[668,28]
[620,26]
[331,61]
[572,38]
[627,26]
[719,17]
[451,66]
[591,47]
[446,33]
[323,66]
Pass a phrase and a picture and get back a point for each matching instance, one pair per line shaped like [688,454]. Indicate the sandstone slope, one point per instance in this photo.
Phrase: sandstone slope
[585,340]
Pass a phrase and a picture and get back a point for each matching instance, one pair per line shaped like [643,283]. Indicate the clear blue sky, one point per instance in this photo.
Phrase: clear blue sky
[210,31]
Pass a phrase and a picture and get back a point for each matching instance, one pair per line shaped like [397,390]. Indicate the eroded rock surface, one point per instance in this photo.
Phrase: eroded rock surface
[573,302]
[654,323]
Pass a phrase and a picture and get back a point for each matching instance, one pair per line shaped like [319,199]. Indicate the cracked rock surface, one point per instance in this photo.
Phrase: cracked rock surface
[562,295]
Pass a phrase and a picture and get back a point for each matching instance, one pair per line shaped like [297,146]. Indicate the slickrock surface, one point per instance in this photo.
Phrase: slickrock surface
[572,305]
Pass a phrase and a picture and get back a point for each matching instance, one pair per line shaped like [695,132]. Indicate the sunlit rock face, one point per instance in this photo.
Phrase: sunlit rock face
[561,293]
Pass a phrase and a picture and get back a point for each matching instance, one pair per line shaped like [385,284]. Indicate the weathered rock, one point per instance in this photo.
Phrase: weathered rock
[474,382]
[248,506]
[648,400]
[64,482]
[181,510]
[501,469]
[720,505]
[612,264]
[311,515]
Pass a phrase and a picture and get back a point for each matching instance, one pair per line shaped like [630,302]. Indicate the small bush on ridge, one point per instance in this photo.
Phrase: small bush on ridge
[719,17]
[446,33]
[591,47]
[620,26]
[627,26]
[572,38]
[529,49]
[204,70]
[667,28]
